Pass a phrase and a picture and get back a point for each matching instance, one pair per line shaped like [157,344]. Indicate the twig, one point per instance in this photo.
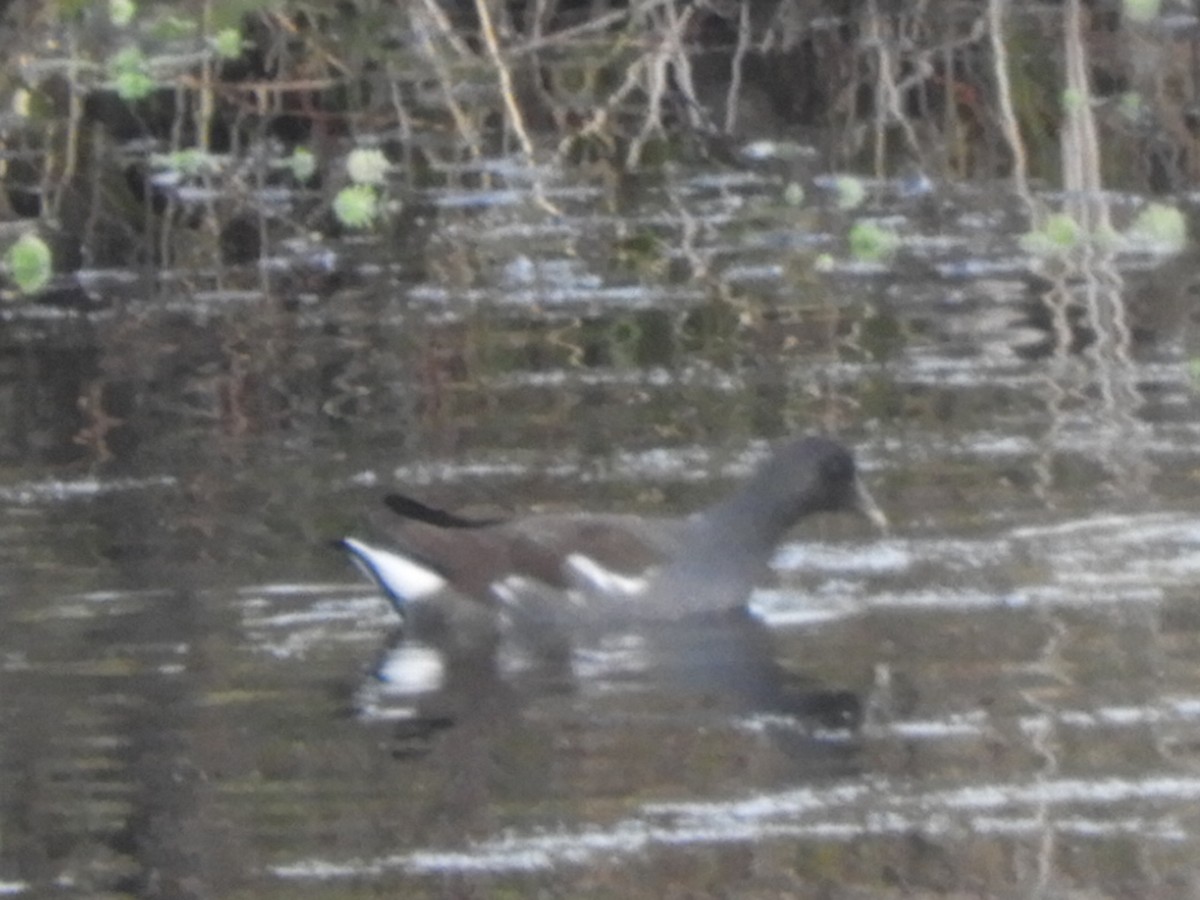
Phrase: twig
[1008,115]
[669,48]
[515,117]
[461,121]
[735,69]
[566,35]
[1080,144]
[887,95]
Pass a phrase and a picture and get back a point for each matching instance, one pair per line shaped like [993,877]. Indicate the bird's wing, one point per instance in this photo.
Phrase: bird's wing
[626,545]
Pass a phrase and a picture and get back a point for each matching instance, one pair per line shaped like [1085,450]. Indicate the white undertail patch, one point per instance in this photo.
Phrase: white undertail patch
[399,577]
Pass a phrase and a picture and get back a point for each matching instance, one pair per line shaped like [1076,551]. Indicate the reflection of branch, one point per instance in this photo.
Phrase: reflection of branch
[1122,433]
[600,117]
[1087,278]
[100,424]
[1046,743]
[1057,385]
[689,232]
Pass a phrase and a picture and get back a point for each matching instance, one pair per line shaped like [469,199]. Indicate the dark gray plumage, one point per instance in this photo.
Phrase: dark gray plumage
[618,566]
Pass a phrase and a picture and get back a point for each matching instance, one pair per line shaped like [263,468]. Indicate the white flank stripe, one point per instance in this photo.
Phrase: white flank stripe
[588,575]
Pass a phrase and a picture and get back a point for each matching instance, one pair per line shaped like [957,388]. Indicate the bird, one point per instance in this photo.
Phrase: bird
[593,567]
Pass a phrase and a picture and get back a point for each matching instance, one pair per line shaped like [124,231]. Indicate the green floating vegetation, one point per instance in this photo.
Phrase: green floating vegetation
[644,254]
[881,335]
[1160,226]
[121,12]
[367,166]
[1141,10]
[356,206]
[228,43]
[1058,235]
[1072,100]
[793,194]
[22,103]
[624,336]
[130,75]
[302,164]
[171,27]
[872,242]
[851,192]
[1157,229]
[29,263]
[188,162]
[1131,106]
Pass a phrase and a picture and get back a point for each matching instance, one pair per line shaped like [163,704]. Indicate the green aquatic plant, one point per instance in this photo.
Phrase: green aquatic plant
[227,43]
[1072,100]
[623,339]
[356,206]
[121,12]
[1062,230]
[172,27]
[851,192]
[367,166]
[130,74]
[1158,229]
[881,335]
[872,242]
[302,164]
[1059,234]
[642,252]
[1141,10]
[29,263]
[21,104]
[188,162]
[1159,226]
[1131,106]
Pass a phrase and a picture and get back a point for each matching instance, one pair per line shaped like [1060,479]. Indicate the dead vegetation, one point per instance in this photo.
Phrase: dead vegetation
[958,89]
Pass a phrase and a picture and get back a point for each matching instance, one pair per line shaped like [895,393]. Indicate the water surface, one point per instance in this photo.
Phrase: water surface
[999,697]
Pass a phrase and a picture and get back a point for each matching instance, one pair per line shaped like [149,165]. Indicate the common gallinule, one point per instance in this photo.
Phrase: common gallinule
[612,565]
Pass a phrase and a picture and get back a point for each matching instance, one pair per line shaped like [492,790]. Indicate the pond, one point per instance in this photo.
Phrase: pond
[999,696]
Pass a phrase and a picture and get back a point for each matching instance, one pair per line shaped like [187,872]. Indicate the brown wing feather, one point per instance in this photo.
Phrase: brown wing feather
[474,557]
[624,544]
[470,559]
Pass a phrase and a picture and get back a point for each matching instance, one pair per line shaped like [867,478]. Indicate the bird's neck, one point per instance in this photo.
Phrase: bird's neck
[744,519]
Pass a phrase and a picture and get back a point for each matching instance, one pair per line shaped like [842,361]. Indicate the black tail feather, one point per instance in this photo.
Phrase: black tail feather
[419,512]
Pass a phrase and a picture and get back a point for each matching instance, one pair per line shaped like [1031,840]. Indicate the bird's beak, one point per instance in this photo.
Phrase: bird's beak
[865,506]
